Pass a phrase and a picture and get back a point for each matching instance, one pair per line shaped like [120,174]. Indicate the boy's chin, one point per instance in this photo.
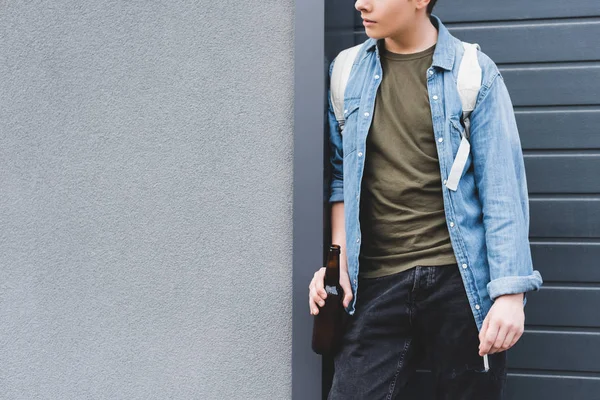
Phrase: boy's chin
[374,35]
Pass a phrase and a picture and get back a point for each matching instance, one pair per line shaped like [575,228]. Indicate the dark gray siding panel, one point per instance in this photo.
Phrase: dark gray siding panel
[461,11]
[570,350]
[538,42]
[567,262]
[555,305]
[339,27]
[553,85]
[491,10]
[559,128]
[565,218]
[339,15]
[563,173]
[524,385]
[551,386]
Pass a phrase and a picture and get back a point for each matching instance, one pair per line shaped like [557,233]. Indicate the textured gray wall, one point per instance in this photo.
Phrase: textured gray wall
[146,199]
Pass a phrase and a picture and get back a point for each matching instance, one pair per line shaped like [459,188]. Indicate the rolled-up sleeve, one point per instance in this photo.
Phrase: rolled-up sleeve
[336,157]
[499,172]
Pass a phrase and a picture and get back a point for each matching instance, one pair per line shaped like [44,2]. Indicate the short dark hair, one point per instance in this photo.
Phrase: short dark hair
[430,6]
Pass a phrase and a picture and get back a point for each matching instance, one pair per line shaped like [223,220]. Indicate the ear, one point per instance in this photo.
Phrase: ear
[421,4]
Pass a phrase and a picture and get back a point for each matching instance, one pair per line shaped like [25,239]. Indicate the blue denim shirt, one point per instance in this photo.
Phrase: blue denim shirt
[488,215]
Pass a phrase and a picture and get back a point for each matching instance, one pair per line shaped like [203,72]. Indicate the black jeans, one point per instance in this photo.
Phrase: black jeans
[398,320]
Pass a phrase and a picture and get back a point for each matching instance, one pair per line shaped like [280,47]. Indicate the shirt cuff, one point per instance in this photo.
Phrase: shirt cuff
[514,285]
[337,191]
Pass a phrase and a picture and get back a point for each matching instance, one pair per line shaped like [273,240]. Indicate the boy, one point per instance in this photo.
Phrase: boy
[444,270]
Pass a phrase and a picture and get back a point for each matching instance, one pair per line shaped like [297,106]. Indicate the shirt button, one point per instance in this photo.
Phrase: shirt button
[358,240]
[444,182]
[451,224]
[345,111]
[477,306]
[366,114]
[435,97]
[440,140]
[376,76]
[355,281]
[430,72]
[360,154]
[464,265]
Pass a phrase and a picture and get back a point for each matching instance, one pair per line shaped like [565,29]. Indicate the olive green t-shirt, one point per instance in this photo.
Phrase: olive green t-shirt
[402,215]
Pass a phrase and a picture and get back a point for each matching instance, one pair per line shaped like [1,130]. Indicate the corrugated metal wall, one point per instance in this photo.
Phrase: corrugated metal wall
[549,55]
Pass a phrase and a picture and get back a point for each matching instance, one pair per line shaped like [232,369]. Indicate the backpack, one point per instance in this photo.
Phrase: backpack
[468,83]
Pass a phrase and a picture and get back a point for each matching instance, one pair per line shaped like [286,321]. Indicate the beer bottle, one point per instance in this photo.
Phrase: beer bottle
[328,323]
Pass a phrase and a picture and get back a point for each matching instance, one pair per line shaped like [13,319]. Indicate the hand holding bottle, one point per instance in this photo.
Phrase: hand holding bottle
[317,293]
[327,299]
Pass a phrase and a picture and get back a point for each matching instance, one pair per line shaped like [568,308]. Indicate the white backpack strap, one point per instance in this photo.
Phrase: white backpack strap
[342,67]
[469,83]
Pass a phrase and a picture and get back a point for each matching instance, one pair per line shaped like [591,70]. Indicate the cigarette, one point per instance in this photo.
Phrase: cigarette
[486,364]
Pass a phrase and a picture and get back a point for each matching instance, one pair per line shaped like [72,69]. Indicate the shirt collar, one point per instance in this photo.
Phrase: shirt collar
[443,56]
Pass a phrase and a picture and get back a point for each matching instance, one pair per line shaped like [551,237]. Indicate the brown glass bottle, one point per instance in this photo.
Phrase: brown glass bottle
[328,323]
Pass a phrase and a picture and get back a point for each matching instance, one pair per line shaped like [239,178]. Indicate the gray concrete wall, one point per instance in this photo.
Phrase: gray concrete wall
[146,199]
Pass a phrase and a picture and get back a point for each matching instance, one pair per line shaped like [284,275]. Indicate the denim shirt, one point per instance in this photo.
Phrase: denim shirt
[488,215]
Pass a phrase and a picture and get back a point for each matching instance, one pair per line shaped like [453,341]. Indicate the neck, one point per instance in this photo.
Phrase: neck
[419,36]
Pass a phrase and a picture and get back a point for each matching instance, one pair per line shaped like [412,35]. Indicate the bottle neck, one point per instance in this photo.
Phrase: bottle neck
[332,276]
[332,271]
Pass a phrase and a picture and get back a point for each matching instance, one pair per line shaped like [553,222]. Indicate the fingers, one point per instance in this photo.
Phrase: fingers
[347,297]
[316,292]
[489,338]
[483,331]
[345,284]
[313,305]
[509,340]
[517,336]
[503,331]
[314,302]
[513,335]
[498,336]
[319,279]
